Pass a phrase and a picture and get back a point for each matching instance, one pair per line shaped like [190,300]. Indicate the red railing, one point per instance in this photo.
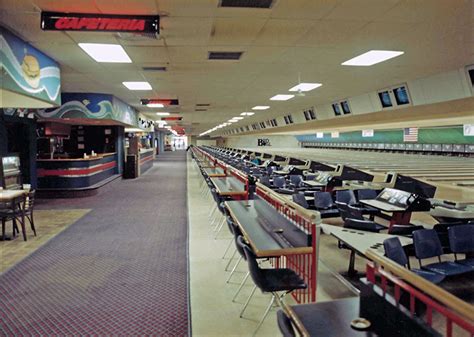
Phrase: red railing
[394,280]
[306,265]
[242,177]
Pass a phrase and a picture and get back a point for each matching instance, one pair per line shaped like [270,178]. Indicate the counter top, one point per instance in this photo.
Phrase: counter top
[99,156]
[146,150]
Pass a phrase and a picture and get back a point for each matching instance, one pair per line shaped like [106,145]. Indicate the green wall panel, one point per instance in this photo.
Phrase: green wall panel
[452,135]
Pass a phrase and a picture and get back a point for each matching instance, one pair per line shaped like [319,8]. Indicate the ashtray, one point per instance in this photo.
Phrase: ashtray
[360,323]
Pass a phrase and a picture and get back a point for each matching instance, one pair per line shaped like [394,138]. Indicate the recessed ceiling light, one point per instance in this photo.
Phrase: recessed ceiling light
[281,97]
[155,105]
[100,52]
[261,107]
[238,118]
[372,57]
[163,113]
[232,121]
[137,85]
[247,113]
[305,87]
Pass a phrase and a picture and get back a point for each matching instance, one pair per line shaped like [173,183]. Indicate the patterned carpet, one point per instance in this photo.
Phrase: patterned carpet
[119,270]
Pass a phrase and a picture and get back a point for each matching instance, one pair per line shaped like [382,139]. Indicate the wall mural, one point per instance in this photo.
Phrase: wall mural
[26,70]
[94,106]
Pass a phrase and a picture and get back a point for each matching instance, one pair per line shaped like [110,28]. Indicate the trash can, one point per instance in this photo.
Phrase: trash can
[131,167]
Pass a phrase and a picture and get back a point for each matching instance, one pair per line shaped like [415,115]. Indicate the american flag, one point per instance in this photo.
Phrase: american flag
[410,134]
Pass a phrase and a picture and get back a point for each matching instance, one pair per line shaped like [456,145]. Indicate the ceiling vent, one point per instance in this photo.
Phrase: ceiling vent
[247,3]
[224,55]
[154,68]
[200,109]
[203,104]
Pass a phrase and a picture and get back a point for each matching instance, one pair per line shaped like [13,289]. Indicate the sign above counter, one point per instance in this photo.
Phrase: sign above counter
[100,22]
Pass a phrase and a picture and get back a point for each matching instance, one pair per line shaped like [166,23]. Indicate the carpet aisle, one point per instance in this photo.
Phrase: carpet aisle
[119,270]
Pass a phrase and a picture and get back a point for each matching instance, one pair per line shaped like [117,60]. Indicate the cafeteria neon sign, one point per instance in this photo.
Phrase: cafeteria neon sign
[100,22]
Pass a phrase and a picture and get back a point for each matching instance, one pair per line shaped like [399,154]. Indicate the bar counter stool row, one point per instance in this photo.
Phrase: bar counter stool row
[277,282]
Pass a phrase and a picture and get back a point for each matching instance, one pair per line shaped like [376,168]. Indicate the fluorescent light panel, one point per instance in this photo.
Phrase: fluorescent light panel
[137,86]
[238,118]
[305,87]
[247,113]
[108,53]
[281,97]
[372,57]
[155,105]
[163,113]
[261,107]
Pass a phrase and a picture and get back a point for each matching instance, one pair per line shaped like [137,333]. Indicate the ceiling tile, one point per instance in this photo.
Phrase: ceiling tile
[235,31]
[365,10]
[302,9]
[330,33]
[282,32]
[147,54]
[76,6]
[143,7]
[186,31]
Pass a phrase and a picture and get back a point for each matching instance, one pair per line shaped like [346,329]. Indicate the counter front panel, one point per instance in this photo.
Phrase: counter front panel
[146,159]
[72,174]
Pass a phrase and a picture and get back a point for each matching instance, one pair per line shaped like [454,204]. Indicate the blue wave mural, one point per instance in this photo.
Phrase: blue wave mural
[27,70]
[91,105]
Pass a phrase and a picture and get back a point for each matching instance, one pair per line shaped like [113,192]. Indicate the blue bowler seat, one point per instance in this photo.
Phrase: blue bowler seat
[395,252]
[461,241]
[428,245]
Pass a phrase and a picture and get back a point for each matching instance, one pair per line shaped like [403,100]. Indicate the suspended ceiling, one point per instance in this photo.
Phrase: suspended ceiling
[311,37]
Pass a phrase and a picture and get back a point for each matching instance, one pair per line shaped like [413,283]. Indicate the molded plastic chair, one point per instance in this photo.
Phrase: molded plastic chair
[347,211]
[284,323]
[461,241]
[442,231]
[395,252]
[427,245]
[324,204]
[346,197]
[265,180]
[366,194]
[363,225]
[269,280]
[270,169]
[296,180]
[279,182]
[300,200]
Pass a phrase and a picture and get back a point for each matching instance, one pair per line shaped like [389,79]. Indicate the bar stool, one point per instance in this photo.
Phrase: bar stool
[284,323]
[269,281]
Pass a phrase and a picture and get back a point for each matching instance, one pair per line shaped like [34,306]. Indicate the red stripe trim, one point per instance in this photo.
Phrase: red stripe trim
[68,172]
[143,160]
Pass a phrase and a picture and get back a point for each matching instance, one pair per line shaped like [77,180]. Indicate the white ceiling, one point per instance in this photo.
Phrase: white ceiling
[311,37]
